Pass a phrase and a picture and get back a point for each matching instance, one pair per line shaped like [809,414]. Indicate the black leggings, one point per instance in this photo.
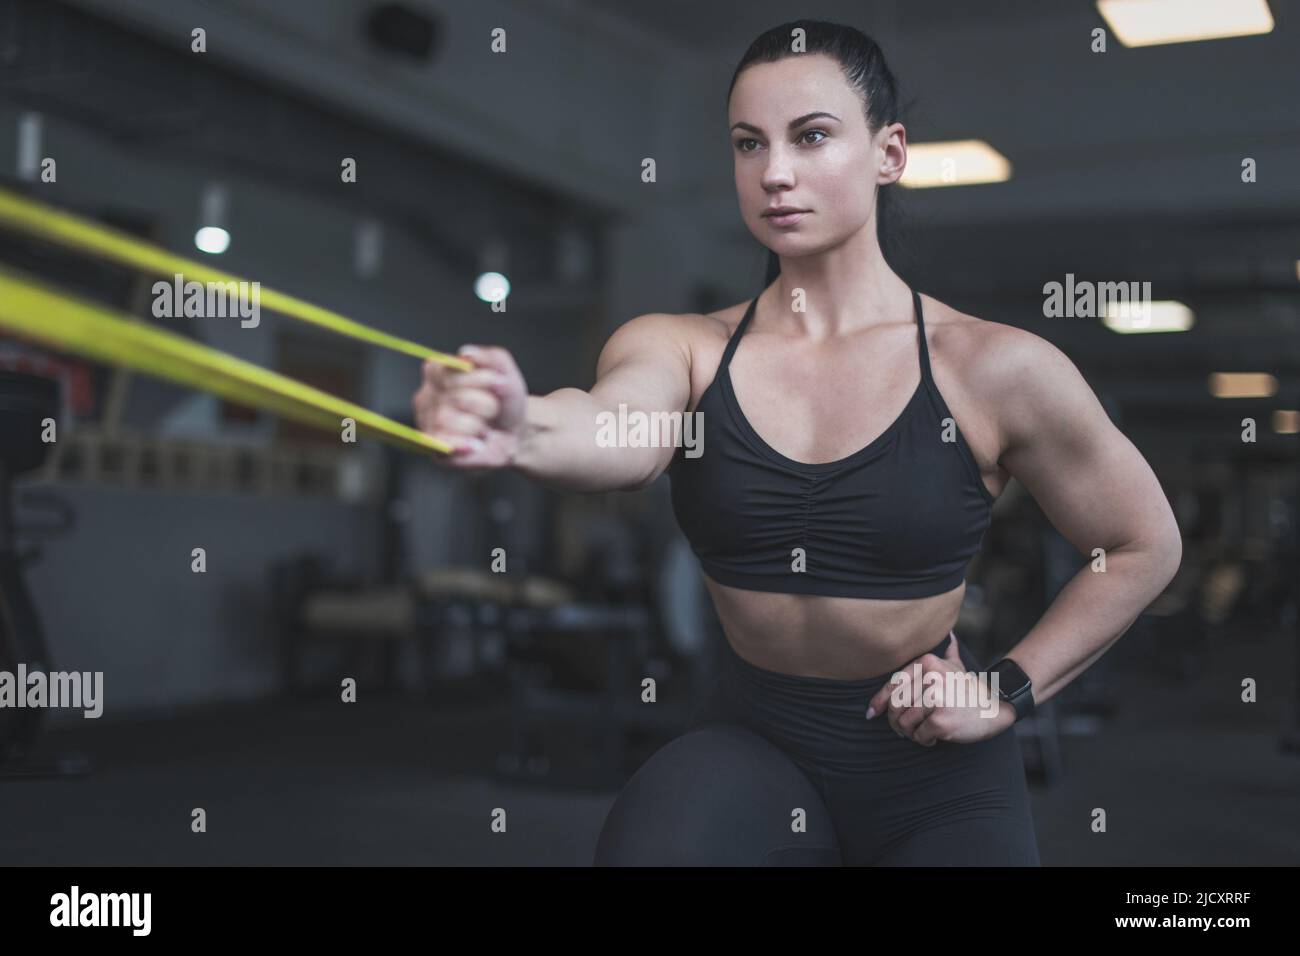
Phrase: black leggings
[781,770]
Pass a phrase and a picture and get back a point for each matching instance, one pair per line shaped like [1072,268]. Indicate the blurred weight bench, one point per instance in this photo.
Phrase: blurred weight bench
[525,614]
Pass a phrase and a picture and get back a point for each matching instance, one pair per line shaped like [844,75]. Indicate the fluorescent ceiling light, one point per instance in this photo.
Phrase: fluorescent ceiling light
[1242,385]
[1152,22]
[1162,316]
[963,162]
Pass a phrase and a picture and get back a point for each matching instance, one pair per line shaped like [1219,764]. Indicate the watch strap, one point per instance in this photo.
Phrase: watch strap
[1022,699]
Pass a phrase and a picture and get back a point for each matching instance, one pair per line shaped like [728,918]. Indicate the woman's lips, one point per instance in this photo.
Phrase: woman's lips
[786,219]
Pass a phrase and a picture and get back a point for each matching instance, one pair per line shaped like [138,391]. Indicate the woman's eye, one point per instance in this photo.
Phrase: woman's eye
[740,143]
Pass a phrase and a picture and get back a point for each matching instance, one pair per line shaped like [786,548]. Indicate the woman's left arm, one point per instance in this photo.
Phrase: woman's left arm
[1098,492]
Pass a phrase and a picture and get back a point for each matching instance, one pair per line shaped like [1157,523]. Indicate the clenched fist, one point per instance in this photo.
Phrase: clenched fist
[480,413]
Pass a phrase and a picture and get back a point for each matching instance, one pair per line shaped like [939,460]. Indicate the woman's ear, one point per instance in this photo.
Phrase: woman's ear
[893,153]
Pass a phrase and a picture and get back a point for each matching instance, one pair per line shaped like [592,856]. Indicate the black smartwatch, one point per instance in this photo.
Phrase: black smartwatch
[1014,686]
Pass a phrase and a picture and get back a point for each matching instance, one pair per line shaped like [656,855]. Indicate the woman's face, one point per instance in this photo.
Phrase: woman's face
[829,165]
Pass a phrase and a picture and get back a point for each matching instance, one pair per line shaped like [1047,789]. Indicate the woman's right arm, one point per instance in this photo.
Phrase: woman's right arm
[553,438]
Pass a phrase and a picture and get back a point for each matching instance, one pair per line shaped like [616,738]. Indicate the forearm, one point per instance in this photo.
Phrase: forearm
[559,446]
[1093,611]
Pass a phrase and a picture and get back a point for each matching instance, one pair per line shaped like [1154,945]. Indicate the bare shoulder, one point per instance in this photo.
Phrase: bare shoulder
[707,328]
[707,334]
[651,332]
[1012,375]
[694,340]
[991,355]
[699,335]
[704,337]
[683,326]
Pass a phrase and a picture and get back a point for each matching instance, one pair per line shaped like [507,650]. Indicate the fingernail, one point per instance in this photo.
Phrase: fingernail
[871,712]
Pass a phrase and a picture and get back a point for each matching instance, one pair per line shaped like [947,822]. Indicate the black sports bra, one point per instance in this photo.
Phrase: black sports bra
[900,518]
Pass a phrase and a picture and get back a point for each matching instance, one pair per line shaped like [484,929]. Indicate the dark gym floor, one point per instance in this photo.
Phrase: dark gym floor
[1187,774]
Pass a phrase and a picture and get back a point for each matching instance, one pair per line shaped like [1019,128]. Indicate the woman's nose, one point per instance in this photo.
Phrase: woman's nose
[778,174]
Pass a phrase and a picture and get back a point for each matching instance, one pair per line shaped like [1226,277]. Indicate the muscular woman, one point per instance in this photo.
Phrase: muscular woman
[855,436]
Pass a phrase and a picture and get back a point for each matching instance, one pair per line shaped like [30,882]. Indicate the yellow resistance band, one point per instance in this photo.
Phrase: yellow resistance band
[65,322]
[47,222]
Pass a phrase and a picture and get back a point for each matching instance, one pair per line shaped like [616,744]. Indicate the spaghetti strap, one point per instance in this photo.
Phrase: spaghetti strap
[735,336]
[920,331]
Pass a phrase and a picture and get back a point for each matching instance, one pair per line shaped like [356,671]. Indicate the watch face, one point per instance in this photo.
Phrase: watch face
[1011,678]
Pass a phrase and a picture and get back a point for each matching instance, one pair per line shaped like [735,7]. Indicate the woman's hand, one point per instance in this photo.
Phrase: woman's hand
[965,708]
[480,413]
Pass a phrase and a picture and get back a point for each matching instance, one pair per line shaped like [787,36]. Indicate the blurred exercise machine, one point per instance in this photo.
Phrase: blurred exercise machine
[25,402]
[569,650]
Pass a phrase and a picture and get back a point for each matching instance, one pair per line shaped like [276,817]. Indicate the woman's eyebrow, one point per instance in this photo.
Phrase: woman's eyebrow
[793,125]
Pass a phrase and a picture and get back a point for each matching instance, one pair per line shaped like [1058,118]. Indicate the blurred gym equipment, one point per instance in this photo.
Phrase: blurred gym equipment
[569,650]
[25,402]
